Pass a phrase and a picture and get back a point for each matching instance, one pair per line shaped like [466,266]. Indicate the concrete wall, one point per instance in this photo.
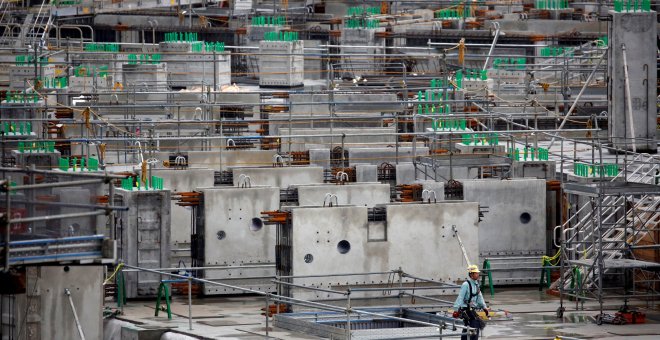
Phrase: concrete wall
[535,169]
[366,173]
[225,159]
[444,174]
[362,194]
[437,187]
[280,177]
[233,237]
[410,233]
[515,223]
[44,312]
[354,136]
[405,173]
[378,155]
[182,181]
[503,228]
[635,30]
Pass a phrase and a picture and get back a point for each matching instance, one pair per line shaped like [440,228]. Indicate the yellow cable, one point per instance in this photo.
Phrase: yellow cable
[549,259]
[113,274]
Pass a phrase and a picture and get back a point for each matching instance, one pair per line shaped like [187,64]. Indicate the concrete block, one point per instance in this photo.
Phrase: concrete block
[514,226]
[457,172]
[132,333]
[152,77]
[481,149]
[437,187]
[379,155]
[191,69]
[366,173]
[281,63]
[340,242]
[405,173]
[537,169]
[319,157]
[361,194]
[225,159]
[353,136]
[44,309]
[281,177]
[634,30]
[182,181]
[42,160]
[515,221]
[233,234]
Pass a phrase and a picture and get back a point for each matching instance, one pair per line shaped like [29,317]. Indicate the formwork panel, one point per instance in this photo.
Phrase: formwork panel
[144,232]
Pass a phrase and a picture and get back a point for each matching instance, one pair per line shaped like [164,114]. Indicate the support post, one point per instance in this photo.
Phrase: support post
[190,303]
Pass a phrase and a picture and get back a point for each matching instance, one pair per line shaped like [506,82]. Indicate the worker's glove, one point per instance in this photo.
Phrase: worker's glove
[456,314]
[486,312]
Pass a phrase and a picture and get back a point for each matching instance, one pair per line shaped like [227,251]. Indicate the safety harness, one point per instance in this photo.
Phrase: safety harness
[472,295]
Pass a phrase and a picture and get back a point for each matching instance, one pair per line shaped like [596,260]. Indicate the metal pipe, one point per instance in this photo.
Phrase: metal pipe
[75,315]
[591,76]
[387,289]
[628,98]
[333,275]
[428,298]
[292,300]
[492,47]
[427,280]
[308,287]
[52,172]
[517,268]
[72,205]
[206,268]
[55,217]
[5,186]
[487,45]
[513,258]
[56,185]
[190,327]
[257,137]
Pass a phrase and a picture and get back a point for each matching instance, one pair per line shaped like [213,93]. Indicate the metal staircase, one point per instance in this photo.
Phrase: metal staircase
[35,28]
[599,238]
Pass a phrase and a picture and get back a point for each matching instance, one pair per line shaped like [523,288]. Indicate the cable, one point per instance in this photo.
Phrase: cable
[121,265]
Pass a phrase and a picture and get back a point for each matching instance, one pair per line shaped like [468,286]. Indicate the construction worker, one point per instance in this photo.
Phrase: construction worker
[470,300]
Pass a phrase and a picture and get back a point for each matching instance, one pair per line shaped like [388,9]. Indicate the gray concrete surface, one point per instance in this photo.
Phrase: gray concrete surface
[513,226]
[362,194]
[409,233]
[239,318]
[234,235]
[182,181]
[44,311]
[281,177]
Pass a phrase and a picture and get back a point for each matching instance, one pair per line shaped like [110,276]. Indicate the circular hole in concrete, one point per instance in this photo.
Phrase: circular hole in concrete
[256,224]
[525,217]
[221,234]
[309,258]
[343,247]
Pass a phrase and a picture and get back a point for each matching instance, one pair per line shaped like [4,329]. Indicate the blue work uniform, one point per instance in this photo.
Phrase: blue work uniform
[469,299]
